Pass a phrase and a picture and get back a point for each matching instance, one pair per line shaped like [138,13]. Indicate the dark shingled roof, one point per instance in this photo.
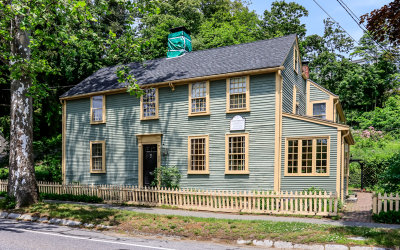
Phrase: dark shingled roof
[228,59]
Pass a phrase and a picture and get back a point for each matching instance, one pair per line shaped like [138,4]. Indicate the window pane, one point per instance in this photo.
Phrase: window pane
[198,154]
[237,153]
[306,157]
[293,156]
[149,103]
[319,110]
[199,93]
[322,156]
[237,91]
[97,115]
[97,101]
[97,156]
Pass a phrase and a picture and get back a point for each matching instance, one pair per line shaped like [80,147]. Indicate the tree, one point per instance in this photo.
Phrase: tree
[38,35]
[384,23]
[284,19]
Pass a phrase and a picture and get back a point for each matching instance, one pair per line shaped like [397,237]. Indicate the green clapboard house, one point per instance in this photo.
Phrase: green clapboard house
[242,117]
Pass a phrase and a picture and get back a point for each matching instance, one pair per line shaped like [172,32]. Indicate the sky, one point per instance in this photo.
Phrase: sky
[314,21]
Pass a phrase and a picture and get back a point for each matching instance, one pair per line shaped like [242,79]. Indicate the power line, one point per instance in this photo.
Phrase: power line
[358,22]
[315,1]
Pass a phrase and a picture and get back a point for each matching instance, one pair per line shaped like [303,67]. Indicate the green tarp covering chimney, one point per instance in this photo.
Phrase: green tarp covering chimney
[178,44]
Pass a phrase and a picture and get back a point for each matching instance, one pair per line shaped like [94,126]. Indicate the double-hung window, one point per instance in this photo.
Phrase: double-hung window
[237,154]
[319,110]
[307,156]
[199,103]
[97,109]
[238,94]
[149,104]
[198,154]
[97,156]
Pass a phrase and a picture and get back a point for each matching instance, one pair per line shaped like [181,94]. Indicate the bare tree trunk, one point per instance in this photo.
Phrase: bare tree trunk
[21,180]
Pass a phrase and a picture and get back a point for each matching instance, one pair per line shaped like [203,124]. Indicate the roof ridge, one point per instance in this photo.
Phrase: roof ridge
[216,48]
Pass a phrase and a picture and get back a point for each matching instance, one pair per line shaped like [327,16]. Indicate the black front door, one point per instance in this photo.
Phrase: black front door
[149,163]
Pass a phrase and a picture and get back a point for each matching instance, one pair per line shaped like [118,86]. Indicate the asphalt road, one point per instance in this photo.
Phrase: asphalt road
[28,235]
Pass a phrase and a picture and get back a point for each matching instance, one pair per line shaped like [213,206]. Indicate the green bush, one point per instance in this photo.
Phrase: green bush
[389,180]
[8,202]
[3,173]
[168,177]
[71,197]
[391,217]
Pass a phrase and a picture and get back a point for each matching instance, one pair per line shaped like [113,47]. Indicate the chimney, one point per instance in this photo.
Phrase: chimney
[179,42]
[305,69]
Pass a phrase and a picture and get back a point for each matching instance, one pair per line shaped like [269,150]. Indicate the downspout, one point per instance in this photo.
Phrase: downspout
[336,101]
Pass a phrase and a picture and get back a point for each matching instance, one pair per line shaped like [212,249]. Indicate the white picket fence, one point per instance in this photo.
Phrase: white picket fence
[385,203]
[262,202]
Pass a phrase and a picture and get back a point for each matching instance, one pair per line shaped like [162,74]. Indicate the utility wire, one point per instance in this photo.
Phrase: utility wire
[358,22]
[315,1]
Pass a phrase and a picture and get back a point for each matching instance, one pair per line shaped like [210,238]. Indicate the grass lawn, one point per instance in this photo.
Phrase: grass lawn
[221,229]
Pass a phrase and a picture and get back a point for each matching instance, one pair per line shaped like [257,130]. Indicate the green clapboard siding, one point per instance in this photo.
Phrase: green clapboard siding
[291,78]
[290,128]
[123,123]
[317,95]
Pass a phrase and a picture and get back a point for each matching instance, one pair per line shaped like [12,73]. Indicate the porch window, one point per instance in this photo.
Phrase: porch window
[149,104]
[237,154]
[97,157]
[199,98]
[238,94]
[319,110]
[198,154]
[97,109]
[307,156]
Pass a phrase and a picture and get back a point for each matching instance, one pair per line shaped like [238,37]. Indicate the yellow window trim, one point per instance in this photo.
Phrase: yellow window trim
[142,117]
[228,97]
[294,99]
[104,110]
[246,136]
[314,156]
[206,171]
[103,160]
[295,49]
[207,112]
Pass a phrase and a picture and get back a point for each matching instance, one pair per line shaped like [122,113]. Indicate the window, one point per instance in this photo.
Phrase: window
[97,156]
[296,60]
[237,154]
[199,98]
[307,156]
[198,154]
[149,104]
[238,94]
[97,109]
[319,110]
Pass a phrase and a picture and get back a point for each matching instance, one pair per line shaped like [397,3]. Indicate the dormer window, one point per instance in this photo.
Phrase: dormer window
[319,110]
[97,109]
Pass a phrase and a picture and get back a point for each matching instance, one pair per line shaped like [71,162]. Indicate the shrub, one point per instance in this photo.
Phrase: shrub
[71,197]
[390,178]
[391,217]
[3,173]
[8,202]
[168,177]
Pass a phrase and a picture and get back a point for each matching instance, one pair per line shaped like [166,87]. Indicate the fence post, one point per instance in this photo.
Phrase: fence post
[374,203]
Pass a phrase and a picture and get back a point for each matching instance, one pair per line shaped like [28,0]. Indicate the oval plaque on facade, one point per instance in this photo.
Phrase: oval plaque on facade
[238,123]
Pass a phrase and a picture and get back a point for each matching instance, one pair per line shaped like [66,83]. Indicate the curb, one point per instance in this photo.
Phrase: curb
[55,221]
[291,245]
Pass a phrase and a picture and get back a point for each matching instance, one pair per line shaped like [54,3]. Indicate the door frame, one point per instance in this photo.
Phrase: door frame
[144,139]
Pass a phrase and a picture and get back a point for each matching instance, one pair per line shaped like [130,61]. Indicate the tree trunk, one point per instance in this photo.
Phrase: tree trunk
[21,180]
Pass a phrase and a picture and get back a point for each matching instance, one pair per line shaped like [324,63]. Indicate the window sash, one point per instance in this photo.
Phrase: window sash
[238,91]
[149,106]
[97,157]
[97,109]
[237,153]
[199,97]
[198,154]
[319,110]
[307,156]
